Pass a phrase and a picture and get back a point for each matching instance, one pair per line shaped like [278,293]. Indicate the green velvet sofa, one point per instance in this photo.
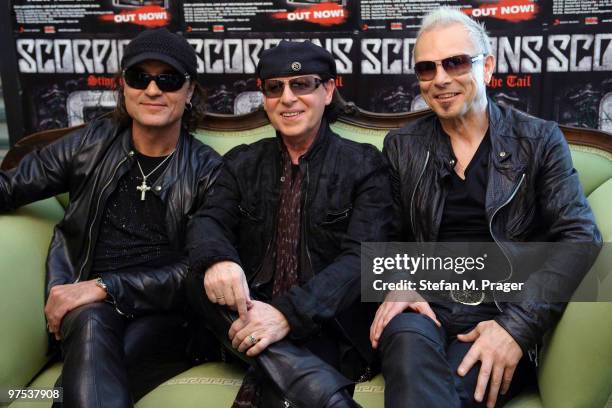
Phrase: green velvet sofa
[575,367]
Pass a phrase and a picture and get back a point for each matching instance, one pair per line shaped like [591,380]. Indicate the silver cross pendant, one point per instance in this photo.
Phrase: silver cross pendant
[143,188]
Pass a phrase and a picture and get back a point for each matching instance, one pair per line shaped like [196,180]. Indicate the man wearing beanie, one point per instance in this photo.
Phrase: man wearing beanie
[275,252]
[116,265]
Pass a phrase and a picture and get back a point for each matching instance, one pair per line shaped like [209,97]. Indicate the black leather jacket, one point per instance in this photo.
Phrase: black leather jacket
[533,194]
[88,163]
[346,200]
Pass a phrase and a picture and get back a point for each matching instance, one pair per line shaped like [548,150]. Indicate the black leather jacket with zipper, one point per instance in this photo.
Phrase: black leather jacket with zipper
[346,200]
[87,164]
[533,194]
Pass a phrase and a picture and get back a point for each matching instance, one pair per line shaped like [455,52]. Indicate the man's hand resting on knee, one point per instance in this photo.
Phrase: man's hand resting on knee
[498,353]
[263,326]
[64,298]
[395,303]
[226,284]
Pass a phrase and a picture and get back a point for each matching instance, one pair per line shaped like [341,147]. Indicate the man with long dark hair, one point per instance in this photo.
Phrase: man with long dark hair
[116,263]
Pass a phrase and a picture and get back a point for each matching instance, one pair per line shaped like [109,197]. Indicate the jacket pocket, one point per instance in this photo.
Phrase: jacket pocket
[250,241]
[522,213]
[249,214]
[337,216]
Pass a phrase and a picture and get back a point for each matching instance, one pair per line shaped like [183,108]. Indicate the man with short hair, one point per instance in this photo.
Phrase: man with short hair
[473,171]
[116,264]
[279,241]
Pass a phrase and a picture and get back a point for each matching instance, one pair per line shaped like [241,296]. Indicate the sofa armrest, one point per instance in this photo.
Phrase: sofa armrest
[576,369]
[24,242]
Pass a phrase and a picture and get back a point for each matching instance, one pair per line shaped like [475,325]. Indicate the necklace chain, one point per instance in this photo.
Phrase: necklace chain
[144,177]
[143,188]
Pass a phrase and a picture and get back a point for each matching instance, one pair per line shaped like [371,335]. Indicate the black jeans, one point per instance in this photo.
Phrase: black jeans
[112,361]
[420,360]
[302,374]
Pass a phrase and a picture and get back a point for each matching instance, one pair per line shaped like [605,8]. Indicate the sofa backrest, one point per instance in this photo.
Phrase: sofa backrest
[594,163]
[591,149]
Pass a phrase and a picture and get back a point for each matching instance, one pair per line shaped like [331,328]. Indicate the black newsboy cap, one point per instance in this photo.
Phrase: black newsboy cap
[295,58]
[161,45]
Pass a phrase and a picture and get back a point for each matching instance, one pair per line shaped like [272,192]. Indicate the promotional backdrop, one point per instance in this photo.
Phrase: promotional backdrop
[554,57]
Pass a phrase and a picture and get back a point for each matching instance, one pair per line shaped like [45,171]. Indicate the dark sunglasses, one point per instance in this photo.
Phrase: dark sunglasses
[273,88]
[170,82]
[454,66]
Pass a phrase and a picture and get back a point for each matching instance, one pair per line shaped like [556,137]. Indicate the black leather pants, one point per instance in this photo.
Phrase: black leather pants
[297,375]
[111,361]
[420,360]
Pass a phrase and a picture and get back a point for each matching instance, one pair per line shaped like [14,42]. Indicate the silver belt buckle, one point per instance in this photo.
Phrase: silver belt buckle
[467,297]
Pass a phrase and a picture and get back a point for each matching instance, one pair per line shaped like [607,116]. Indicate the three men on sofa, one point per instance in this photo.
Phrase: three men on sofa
[275,247]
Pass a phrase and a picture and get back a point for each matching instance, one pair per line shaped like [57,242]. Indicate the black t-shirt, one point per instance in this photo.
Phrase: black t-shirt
[133,231]
[464,217]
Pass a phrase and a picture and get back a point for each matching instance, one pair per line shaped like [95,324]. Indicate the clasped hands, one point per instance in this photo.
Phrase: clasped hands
[493,346]
[259,324]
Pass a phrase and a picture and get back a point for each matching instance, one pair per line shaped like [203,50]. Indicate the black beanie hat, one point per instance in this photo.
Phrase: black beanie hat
[290,58]
[161,45]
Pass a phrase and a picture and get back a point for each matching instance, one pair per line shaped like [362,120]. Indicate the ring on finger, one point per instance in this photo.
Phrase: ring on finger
[252,339]
[220,297]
